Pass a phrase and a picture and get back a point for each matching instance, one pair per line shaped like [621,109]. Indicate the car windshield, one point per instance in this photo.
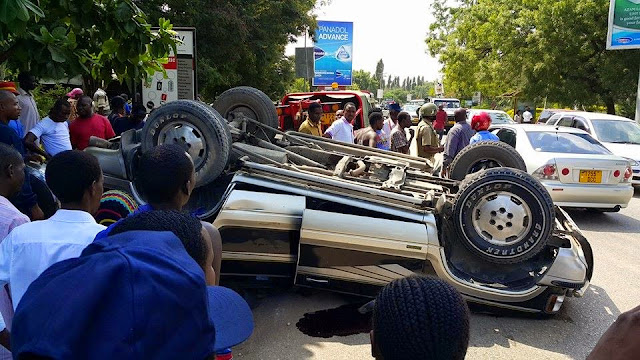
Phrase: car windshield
[448,104]
[411,108]
[617,131]
[500,118]
[566,143]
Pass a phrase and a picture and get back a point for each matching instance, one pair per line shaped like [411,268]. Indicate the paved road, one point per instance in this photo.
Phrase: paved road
[571,334]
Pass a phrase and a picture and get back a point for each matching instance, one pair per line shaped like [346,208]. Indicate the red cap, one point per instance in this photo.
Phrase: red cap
[9,86]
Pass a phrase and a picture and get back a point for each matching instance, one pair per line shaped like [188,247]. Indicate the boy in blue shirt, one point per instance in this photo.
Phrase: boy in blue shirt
[481,123]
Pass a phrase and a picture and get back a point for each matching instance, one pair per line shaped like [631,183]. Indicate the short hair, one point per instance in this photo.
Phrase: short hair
[460,115]
[183,225]
[420,318]
[404,116]
[58,105]
[375,117]
[70,173]
[349,104]
[124,96]
[314,105]
[8,156]
[117,103]
[85,97]
[162,171]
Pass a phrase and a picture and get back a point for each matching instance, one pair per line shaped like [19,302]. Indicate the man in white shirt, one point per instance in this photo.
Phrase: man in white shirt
[342,129]
[527,116]
[29,115]
[391,122]
[53,131]
[11,179]
[76,180]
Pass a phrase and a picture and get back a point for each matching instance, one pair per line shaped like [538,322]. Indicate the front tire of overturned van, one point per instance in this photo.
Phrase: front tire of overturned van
[503,215]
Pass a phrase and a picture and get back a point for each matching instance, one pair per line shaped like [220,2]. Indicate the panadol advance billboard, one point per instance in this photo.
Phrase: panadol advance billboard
[624,25]
[333,53]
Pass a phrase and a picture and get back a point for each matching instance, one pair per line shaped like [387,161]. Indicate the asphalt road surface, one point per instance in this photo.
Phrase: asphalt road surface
[571,334]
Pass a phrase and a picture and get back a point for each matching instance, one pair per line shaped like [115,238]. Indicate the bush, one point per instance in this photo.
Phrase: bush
[46,95]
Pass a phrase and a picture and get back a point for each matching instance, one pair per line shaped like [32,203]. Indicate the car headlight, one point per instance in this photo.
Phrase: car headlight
[632,162]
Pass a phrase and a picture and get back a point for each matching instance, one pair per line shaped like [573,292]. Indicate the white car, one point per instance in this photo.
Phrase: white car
[618,134]
[576,169]
[498,117]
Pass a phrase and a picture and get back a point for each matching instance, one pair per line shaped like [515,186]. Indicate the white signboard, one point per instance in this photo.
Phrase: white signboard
[180,80]
[380,93]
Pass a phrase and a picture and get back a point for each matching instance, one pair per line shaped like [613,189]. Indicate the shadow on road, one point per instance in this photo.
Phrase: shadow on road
[573,332]
[605,222]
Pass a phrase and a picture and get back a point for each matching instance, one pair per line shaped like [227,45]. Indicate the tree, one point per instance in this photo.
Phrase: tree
[240,42]
[389,81]
[541,48]
[380,73]
[364,81]
[96,39]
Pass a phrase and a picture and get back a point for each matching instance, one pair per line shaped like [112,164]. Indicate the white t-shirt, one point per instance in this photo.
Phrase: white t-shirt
[341,130]
[527,116]
[387,127]
[54,135]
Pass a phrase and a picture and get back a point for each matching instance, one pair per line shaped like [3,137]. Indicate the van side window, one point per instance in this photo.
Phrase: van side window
[508,136]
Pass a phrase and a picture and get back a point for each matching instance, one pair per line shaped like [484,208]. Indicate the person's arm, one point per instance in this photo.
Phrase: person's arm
[329,133]
[620,341]
[216,244]
[371,139]
[427,146]
[109,133]
[30,143]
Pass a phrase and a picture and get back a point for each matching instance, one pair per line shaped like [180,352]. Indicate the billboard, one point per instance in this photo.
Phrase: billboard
[624,25]
[180,82]
[333,53]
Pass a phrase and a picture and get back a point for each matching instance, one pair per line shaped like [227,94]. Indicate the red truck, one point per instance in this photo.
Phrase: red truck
[292,105]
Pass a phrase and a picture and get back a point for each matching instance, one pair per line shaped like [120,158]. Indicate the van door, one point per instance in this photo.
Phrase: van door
[357,254]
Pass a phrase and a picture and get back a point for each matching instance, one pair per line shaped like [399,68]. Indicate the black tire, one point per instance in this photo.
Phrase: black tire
[483,155]
[208,142]
[503,202]
[251,103]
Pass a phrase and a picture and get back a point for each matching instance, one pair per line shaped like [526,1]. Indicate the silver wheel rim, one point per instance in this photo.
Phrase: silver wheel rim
[186,136]
[501,218]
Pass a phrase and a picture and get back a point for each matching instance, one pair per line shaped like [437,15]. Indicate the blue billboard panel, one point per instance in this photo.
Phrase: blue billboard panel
[333,53]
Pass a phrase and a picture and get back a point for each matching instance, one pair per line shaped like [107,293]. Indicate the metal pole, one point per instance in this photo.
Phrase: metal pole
[638,101]
[306,61]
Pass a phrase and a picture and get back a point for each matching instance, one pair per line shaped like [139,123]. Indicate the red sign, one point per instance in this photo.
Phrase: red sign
[171,65]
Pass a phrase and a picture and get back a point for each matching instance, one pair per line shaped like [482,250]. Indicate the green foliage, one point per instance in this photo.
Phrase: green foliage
[93,38]
[239,42]
[379,75]
[542,48]
[46,96]
[363,80]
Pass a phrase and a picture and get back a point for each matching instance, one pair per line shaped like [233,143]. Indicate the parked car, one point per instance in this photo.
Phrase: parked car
[412,109]
[320,213]
[450,105]
[576,169]
[498,117]
[546,114]
[617,133]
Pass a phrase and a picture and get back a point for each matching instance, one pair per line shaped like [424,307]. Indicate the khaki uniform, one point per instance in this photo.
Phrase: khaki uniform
[426,136]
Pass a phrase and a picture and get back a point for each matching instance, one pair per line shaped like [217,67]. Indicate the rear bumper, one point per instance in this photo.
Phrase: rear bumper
[589,196]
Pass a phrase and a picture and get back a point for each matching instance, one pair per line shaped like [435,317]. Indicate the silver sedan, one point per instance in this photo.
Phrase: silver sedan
[576,169]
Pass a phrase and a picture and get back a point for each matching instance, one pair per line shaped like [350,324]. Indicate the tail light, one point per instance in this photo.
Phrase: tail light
[326,108]
[627,174]
[279,111]
[548,171]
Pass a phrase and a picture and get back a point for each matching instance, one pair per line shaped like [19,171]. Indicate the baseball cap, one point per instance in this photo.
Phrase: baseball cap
[75,93]
[134,295]
[395,107]
[9,86]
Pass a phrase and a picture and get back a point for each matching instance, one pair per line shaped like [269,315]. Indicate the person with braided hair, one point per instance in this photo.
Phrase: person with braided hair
[419,318]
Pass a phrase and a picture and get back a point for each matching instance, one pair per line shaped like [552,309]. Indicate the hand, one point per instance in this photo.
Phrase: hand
[620,341]
[412,133]
[35,158]
[36,213]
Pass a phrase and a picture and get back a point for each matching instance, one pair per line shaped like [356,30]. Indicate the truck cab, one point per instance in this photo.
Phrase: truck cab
[294,105]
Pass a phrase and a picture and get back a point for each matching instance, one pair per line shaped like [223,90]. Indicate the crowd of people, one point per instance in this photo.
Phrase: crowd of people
[396,134]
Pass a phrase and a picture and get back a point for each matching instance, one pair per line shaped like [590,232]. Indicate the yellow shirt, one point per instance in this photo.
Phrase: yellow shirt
[308,128]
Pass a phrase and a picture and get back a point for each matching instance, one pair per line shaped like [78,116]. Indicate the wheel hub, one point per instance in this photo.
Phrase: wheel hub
[186,136]
[501,218]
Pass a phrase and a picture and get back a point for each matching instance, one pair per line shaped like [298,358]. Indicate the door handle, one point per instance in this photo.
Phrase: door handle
[317,280]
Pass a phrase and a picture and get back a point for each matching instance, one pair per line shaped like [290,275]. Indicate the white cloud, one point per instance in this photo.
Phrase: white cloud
[393,31]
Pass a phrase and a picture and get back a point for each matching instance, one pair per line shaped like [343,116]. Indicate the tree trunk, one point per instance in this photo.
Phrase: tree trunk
[611,105]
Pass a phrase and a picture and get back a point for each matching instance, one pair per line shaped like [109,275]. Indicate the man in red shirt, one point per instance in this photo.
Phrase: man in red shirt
[88,124]
[441,119]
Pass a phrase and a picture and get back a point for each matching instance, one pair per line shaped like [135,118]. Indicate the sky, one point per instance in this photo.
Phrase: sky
[391,30]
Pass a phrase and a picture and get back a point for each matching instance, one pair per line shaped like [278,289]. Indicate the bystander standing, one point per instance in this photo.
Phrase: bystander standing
[427,138]
[312,124]
[399,141]
[373,136]
[440,122]
[74,95]
[481,123]
[29,116]
[391,122]
[53,131]
[88,124]
[458,137]
[342,128]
